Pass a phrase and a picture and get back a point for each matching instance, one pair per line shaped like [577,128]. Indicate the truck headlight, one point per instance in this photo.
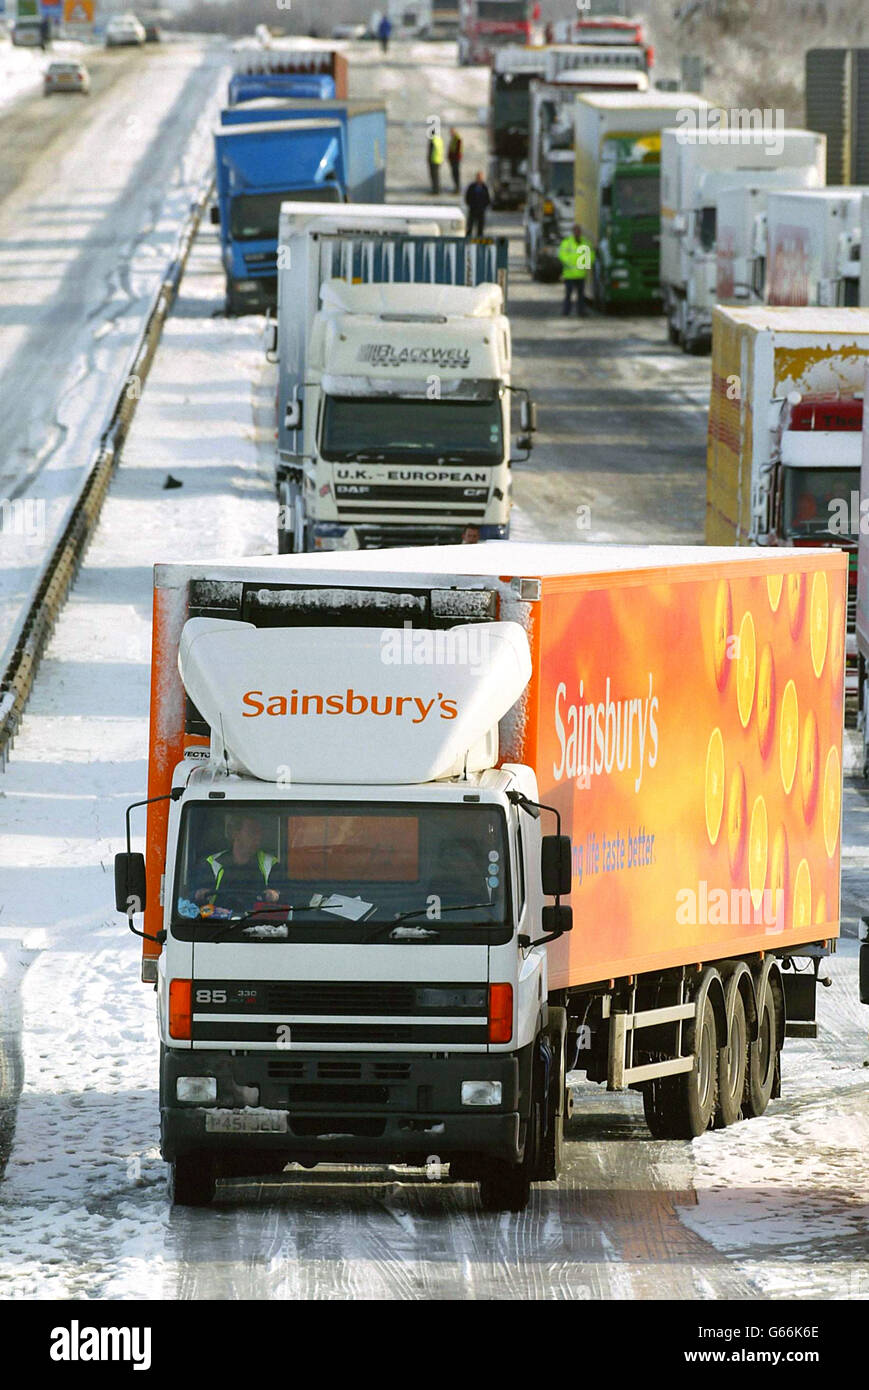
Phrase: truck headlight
[196,1090]
[246,286]
[481,1093]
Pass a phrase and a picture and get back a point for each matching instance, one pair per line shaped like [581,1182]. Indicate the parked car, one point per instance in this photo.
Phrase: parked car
[124,29]
[66,77]
[29,33]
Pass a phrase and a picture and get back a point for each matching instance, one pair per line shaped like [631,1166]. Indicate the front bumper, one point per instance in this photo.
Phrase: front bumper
[252,294]
[373,1107]
[329,535]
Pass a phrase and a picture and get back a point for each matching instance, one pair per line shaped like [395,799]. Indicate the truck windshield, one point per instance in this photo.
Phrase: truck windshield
[816,502]
[510,102]
[389,427]
[502,11]
[255,216]
[559,178]
[336,864]
[637,195]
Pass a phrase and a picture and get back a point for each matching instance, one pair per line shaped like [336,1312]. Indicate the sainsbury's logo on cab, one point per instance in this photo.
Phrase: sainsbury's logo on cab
[411,707]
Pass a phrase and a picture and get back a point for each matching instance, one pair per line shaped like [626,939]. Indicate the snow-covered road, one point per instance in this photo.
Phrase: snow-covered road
[85,239]
[772,1208]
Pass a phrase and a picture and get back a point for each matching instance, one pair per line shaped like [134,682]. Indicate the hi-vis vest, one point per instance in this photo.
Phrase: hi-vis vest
[265,861]
[436,150]
[577,257]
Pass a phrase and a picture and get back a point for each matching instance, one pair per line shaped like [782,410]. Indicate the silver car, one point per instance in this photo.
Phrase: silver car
[66,77]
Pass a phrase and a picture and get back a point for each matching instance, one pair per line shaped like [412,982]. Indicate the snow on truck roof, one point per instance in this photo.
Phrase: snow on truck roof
[479,301]
[642,101]
[492,561]
[809,320]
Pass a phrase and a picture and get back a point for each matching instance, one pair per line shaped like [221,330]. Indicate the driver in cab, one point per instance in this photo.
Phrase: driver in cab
[242,874]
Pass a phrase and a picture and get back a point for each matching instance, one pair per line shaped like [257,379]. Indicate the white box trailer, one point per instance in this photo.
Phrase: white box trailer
[697,163]
[741,238]
[813,241]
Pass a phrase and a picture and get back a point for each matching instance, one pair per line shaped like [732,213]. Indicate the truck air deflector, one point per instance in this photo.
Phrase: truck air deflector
[344,705]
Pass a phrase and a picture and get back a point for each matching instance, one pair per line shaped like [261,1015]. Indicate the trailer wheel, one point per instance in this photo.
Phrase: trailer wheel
[682,1106]
[192,1180]
[763,1054]
[732,1065]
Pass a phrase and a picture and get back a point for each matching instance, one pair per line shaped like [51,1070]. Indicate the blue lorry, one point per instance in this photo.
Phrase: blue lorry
[246,86]
[267,152]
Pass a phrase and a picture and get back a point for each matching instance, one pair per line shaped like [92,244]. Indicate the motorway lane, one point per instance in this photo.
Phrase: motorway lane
[85,236]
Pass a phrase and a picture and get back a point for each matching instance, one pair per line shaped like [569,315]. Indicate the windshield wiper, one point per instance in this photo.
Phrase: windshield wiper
[252,918]
[421,912]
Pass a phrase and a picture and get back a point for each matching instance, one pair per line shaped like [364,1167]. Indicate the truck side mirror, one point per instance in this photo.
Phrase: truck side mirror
[130,882]
[527,417]
[215,215]
[555,865]
[557,920]
[293,415]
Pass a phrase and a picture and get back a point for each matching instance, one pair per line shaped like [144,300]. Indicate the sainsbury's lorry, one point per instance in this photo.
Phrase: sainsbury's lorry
[324,151]
[429,829]
[394,380]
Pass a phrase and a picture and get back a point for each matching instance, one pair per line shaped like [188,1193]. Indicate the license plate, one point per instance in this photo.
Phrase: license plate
[246,1121]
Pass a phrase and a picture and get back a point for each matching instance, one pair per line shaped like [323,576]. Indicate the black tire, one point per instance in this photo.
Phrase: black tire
[285,542]
[505,1188]
[192,1180]
[763,1055]
[551,1157]
[673,334]
[683,1106]
[733,1066]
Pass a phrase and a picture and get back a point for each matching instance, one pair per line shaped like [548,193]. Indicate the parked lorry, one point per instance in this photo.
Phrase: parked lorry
[699,160]
[274,70]
[605,28]
[813,241]
[360,878]
[394,381]
[513,69]
[245,87]
[617,187]
[785,421]
[741,240]
[319,150]
[487,25]
[549,209]
[837,105]
[861,517]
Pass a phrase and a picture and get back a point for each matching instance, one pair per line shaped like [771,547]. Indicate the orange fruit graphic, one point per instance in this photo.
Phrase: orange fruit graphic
[802,896]
[819,621]
[832,800]
[788,735]
[714,785]
[773,588]
[810,772]
[736,818]
[795,594]
[765,700]
[758,847]
[821,910]
[746,669]
[778,874]
[722,624]
[837,650]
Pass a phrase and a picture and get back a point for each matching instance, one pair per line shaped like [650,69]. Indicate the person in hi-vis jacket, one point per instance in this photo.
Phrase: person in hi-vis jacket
[577,257]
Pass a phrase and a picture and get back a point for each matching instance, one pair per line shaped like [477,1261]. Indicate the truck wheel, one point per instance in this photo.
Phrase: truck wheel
[682,1106]
[732,1065]
[192,1180]
[673,334]
[552,1141]
[763,1055]
[503,1188]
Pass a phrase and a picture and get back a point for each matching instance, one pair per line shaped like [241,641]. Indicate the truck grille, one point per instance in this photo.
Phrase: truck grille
[645,241]
[338,1011]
